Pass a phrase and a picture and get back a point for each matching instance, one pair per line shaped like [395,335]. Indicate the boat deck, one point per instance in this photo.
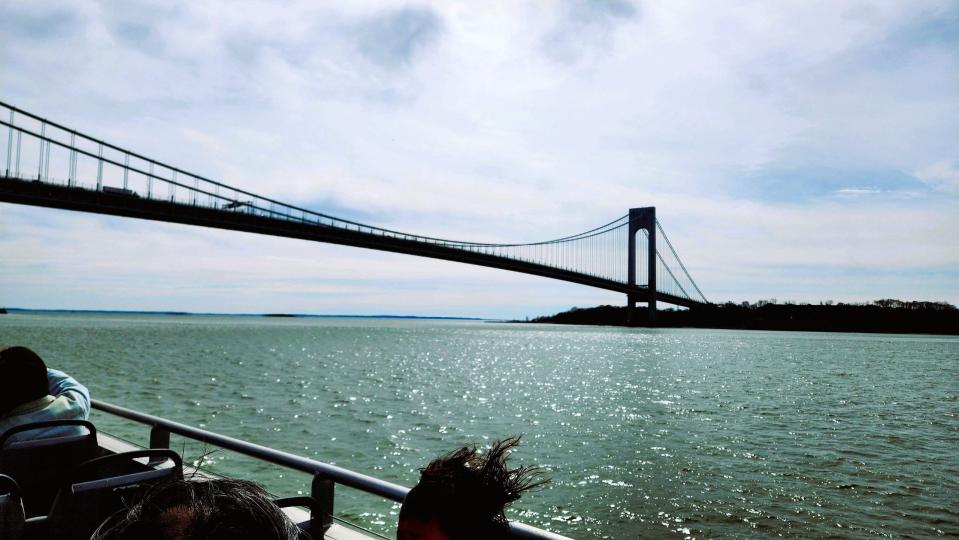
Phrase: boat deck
[337,531]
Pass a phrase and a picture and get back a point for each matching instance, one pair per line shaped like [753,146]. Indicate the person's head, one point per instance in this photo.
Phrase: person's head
[463,495]
[215,509]
[23,378]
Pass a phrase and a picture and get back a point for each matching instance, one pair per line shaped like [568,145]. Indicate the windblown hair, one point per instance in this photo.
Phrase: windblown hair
[217,509]
[467,492]
[23,378]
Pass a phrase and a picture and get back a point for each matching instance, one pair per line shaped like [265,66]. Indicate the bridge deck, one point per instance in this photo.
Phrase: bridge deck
[115,202]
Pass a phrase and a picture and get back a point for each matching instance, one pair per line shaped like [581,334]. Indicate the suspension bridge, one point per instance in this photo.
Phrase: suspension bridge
[50,165]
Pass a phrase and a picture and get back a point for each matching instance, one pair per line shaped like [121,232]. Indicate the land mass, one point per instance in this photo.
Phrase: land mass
[885,316]
[205,314]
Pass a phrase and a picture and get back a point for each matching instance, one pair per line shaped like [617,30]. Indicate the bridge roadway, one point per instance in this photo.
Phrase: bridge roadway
[18,191]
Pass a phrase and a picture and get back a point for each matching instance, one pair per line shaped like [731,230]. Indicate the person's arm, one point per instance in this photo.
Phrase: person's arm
[66,386]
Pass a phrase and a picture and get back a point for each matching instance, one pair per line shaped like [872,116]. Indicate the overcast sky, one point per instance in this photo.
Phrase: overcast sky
[798,150]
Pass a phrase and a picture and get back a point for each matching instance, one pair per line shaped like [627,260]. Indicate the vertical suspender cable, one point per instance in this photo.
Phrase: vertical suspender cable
[46,162]
[100,169]
[72,169]
[10,142]
[19,142]
[43,130]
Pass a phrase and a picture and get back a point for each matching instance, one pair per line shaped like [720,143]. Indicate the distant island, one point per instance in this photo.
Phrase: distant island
[322,316]
[213,314]
[885,316]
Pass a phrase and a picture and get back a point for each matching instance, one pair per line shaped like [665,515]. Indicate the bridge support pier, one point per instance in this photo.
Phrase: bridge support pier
[642,219]
[631,316]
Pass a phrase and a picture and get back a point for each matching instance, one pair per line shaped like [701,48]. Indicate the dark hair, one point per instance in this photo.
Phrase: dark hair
[213,509]
[23,378]
[467,493]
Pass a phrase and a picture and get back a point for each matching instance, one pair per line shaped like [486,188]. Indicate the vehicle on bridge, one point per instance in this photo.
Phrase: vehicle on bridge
[238,205]
[119,191]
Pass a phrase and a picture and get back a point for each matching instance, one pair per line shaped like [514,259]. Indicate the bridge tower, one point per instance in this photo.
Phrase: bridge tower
[642,219]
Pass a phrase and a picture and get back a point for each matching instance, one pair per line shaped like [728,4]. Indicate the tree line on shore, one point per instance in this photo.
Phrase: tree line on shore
[885,315]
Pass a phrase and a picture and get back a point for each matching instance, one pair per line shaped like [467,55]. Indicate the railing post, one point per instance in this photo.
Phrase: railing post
[322,492]
[159,438]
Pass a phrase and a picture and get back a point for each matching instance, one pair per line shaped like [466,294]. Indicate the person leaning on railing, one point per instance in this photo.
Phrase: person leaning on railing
[30,392]
[463,495]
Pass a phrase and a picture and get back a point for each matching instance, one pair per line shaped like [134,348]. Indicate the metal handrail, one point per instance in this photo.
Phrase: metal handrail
[338,475]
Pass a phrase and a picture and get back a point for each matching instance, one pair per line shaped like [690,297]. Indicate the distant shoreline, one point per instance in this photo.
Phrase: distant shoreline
[11,310]
[881,316]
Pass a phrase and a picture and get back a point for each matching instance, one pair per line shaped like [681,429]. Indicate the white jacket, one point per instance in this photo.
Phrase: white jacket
[68,400]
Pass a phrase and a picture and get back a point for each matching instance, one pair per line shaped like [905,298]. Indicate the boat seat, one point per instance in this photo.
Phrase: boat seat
[12,518]
[312,527]
[40,464]
[101,487]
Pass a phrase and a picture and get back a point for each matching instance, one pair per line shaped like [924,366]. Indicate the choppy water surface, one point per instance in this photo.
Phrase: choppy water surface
[695,433]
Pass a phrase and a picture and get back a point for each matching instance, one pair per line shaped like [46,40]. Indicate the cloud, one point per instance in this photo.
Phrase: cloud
[812,182]
[50,21]
[393,39]
[585,26]
[942,176]
[857,192]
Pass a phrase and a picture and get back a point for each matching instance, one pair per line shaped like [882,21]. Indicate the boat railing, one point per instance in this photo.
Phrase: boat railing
[325,476]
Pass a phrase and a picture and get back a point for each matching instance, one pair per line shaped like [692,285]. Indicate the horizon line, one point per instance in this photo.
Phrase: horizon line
[221,314]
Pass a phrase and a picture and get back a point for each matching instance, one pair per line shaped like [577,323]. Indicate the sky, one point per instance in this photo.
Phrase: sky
[801,151]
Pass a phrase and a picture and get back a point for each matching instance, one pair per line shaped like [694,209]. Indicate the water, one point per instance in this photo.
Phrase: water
[685,433]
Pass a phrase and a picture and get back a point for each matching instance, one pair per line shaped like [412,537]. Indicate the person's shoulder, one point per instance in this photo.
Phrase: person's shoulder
[69,406]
